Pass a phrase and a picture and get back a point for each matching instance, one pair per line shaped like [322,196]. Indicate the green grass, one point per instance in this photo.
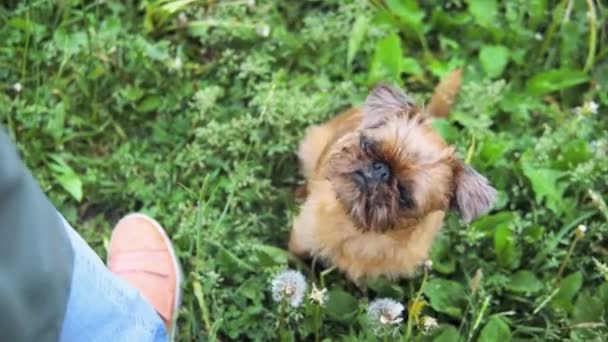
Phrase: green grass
[191,111]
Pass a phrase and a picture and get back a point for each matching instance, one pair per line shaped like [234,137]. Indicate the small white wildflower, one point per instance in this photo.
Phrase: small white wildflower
[592,107]
[582,228]
[17,87]
[428,265]
[318,296]
[289,285]
[263,30]
[602,268]
[250,3]
[580,231]
[538,36]
[429,324]
[177,63]
[385,312]
[589,107]
[182,19]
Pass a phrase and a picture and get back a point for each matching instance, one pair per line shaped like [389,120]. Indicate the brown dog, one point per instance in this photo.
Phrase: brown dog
[379,181]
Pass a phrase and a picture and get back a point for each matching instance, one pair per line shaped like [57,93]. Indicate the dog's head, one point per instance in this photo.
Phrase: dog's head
[395,169]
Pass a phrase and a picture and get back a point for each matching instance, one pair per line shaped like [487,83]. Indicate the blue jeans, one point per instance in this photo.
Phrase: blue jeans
[103,307]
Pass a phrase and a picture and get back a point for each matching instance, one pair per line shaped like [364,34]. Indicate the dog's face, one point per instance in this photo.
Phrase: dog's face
[395,169]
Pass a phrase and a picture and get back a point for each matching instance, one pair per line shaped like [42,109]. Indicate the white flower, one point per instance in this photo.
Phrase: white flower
[429,324]
[250,2]
[182,19]
[177,63]
[538,36]
[318,296]
[385,312]
[589,107]
[592,107]
[17,87]
[580,231]
[289,285]
[263,30]
[582,228]
[428,265]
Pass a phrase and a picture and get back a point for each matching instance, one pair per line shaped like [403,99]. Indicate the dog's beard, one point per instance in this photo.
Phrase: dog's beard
[372,208]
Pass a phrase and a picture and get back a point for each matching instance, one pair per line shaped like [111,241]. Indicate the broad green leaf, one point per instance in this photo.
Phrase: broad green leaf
[409,12]
[495,330]
[131,93]
[341,305]
[568,288]
[545,185]
[69,43]
[493,59]
[447,131]
[356,37]
[250,288]
[149,104]
[484,11]
[270,255]
[554,80]
[442,257]
[494,148]
[504,245]
[448,334]
[602,293]
[524,281]
[534,234]
[573,153]
[66,177]
[387,59]
[228,259]
[488,224]
[537,11]
[384,287]
[411,66]
[587,308]
[446,296]
[72,184]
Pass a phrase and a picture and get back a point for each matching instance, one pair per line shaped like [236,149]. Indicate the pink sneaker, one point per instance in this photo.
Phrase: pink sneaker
[141,253]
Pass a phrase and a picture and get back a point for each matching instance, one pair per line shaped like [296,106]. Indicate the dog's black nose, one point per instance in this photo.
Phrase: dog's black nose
[380,172]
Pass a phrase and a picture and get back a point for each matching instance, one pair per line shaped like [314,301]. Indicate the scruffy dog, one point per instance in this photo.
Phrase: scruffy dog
[380,180]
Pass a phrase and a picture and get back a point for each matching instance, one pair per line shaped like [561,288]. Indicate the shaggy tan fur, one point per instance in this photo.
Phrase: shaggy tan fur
[381,228]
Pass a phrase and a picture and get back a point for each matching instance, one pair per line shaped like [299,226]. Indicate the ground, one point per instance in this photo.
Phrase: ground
[191,111]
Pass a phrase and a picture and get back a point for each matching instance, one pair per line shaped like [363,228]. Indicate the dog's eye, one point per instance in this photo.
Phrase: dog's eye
[405,197]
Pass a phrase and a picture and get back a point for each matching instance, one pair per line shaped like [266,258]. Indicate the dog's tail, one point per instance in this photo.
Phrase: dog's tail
[445,95]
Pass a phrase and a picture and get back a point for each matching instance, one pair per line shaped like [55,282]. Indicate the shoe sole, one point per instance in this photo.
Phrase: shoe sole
[179,277]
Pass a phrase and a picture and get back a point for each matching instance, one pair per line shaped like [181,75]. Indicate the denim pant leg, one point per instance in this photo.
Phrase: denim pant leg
[103,307]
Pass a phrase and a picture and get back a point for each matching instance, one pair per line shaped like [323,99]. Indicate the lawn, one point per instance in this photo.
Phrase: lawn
[191,111]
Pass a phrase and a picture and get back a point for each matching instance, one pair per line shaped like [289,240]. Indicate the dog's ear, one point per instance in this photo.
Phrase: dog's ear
[473,195]
[382,101]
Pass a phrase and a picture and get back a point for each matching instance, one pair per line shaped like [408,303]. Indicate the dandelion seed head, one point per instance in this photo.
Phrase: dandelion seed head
[289,285]
[385,312]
